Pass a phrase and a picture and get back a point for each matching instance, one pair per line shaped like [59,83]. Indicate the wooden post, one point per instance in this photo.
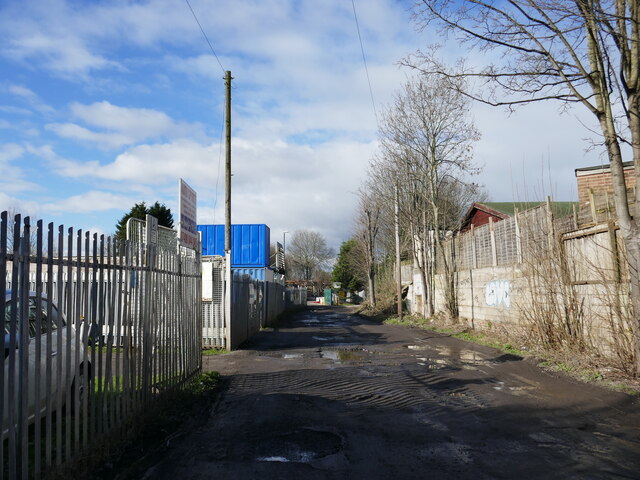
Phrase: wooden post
[518,236]
[592,205]
[551,232]
[474,259]
[492,236]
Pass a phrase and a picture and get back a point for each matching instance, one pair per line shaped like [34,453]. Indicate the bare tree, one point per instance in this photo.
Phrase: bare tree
[11,228]
[583,52]
[427,138]
[367,228]
[307,253]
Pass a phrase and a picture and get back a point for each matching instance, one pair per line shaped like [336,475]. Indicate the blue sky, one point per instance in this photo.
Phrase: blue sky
[104,104]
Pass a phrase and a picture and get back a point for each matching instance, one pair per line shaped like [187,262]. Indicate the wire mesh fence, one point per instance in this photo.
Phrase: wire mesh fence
[95,332]
[527,234]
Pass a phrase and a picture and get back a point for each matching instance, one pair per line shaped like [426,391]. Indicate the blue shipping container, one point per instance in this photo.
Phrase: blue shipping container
[249,243]
[254,273]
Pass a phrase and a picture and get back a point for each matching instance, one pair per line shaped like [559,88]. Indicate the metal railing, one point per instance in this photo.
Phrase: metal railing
[254,305]
[95,332]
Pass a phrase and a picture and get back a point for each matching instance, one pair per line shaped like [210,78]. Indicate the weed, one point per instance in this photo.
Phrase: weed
[623,387]
[214,351]
[147,433]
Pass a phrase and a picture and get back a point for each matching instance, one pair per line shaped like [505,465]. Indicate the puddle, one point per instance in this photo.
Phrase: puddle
[342,355]
[300,446]
[330,354]
[348,355]
[272,459]
[322,339]
[433,363]
[417,347]
[288,356]
[471,356]
[463,356]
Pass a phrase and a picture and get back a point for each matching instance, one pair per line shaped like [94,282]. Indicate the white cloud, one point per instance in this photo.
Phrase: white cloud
[148,164]
[12,177]
[10,151]
[22,91]
[17,205]
[65,55]
[104,140]
[124,126]
[15,110]
[30,97]
[89,202]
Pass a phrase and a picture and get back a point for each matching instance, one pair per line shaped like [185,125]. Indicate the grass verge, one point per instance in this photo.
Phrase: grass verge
[208,352]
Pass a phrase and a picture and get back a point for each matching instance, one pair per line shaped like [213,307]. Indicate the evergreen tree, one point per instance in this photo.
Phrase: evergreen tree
[162,213]
[140,211]
[344,271]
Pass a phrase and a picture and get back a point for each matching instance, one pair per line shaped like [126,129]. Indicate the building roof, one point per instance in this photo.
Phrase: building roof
[596,168]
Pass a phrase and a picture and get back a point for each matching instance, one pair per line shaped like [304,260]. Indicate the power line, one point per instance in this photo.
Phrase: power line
[205,36]
[364,60]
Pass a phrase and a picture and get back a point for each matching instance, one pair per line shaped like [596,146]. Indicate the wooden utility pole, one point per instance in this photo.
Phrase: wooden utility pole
[227,201]
[227,213]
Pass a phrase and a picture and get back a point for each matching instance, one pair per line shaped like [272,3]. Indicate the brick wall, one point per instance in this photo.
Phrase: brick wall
[600,182]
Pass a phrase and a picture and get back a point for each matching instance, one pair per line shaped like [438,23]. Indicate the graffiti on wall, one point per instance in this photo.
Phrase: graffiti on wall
[497,293]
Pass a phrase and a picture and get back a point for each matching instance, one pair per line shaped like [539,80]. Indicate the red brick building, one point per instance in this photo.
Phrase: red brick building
[598,179]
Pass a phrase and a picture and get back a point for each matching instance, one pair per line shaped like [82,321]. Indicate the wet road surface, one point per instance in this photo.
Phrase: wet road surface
[331,395]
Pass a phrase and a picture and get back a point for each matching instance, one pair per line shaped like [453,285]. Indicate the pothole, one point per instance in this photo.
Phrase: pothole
[330,354]
[343,355]
[303,445]
[417,347]
[433,363]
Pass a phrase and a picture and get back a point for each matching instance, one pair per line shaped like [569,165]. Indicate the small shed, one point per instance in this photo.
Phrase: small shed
[480,213]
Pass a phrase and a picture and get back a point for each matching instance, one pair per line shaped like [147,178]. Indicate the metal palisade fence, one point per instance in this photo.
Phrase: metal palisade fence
[95,331]
[255,304]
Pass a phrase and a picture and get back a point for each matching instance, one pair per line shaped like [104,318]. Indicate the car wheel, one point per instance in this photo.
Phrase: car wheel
[81,382]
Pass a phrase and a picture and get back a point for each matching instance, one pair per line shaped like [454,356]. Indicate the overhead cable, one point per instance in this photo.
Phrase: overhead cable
[364,60]
[205,36]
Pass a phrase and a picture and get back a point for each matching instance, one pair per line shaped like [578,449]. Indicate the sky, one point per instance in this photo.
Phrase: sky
[106,104]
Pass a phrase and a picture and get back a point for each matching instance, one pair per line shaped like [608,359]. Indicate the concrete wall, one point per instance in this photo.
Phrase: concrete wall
[594,282]
[497,296]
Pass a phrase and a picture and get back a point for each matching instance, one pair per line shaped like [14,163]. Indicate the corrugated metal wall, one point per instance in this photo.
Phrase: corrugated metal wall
[249,243]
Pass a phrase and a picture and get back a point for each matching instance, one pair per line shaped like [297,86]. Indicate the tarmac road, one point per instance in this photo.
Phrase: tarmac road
[331,395]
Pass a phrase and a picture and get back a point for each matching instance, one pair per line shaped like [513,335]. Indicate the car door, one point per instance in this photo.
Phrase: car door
[49,356]
[38,353]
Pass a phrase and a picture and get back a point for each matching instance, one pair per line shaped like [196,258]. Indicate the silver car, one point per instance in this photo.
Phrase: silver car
[55,363]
